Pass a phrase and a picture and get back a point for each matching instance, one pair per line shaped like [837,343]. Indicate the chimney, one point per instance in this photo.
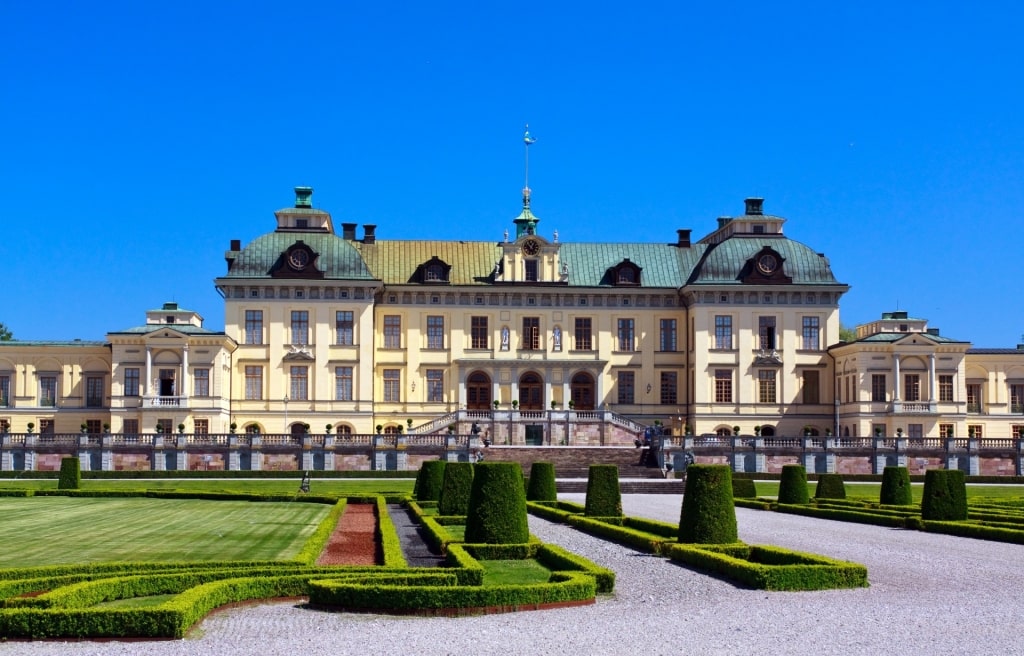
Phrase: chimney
[236,244]
[368,233]
[303,197]
[348,231]
[933,331]
[684,238]
[754,206]
[723,221]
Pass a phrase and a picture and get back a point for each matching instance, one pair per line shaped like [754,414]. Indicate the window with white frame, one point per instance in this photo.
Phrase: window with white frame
[392,385]
[667,334]
[912,387]
[626,387]
[766,386]
[723,386]
[300,327]
[435,332]
[435,385]
[299,378]
[344,328]
[201,382]
[766,333]
[811,334]
[253,382]
[48,391]
[946,388]
[723,332]
[626,335]
[253,327]
[343,383]
[392,331]
[94,391]
[5,391]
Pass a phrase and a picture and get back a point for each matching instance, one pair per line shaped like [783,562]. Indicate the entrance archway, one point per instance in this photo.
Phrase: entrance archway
[531,392]
[581,391]
[478,391]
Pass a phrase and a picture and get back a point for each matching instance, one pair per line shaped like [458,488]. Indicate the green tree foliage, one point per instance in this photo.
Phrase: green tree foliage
[945,495]
[497,505]
[5,334]
[70,474]
[743,488]
[430,480]
[847,334]
[458,483]
[830,486]
[603,496]
[895,487]
[542,482]
[793,485]
[708,515]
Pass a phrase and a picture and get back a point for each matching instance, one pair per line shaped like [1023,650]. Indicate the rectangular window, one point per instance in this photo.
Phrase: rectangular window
[975,430]
[1016,431]
[766,333]
[48,391]
[166,426]
[254,326]
[627,386]
[300,327]
[201,382]
[253,383]
[531,333]
[625,333]
[435,332]
[723,332]
[5,391]
[480,336]
[46,427]
[973,398]
[915,431]
[878,388]
[94,392]
[1016,398]
[583,335]
[946,388]
[299,383]
[201,426]
[812,387]
[912,387]
[343,383]
[344,328]
[5,426]
[723,386]
[669,388]
[130,427]
[392,385]
[668,335]
[93,426]
[766,386]
[811,334]
[435,385]
[946,430]
[131,381]
[531,271]
[392,331]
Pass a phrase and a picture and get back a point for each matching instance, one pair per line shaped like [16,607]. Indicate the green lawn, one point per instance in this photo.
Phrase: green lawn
[53,530]
[339,486]
[871,491]
[514,572]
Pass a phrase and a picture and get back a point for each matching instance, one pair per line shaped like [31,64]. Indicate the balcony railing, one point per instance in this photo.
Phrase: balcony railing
[165,402]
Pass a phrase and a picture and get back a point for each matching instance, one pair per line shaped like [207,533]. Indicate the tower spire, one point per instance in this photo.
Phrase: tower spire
[526,222]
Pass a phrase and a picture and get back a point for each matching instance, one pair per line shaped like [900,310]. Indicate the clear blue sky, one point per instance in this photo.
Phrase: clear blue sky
[139,138]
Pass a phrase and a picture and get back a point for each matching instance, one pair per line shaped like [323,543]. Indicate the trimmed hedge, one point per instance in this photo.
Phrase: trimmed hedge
[895,487]
[945,495]
[70,474]
[430,480]
[708,515]
[497,505]
[541,486]
[603,496]
[390,545]
[743,488]
[830,486]
[458,483]
[316,542]
[793,485]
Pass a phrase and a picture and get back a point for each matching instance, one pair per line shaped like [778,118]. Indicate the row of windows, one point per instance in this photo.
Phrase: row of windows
[298,384]
[767,386]
[668,387]
[200,381]
[810,335]
[95,391]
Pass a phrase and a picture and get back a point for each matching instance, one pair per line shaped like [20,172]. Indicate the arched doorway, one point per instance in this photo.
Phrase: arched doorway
[581,391]
[531,392]
[478,391]
[298,428]
[767,431]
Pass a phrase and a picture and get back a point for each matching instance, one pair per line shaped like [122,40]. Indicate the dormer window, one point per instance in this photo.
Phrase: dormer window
[169,319]
[434,271]
[625,274]
[301,223]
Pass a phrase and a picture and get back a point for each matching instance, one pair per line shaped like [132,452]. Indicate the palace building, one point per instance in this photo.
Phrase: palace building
[578,343]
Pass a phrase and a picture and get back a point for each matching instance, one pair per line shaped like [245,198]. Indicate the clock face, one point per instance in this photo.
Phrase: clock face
[531,247]
[298,259]
[767,263]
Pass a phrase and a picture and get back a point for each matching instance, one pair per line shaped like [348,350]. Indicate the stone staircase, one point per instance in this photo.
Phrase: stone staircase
[626,486]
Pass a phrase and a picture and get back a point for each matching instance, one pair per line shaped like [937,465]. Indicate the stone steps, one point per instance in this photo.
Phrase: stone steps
[632,486]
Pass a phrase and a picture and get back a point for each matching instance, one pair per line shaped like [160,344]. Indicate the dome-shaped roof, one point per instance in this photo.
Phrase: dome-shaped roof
[337,257]
[725,262]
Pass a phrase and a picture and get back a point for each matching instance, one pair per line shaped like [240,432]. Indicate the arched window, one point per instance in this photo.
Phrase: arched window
[478,391]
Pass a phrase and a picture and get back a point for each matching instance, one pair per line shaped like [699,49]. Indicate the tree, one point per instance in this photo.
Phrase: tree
[847,334]
[5,334]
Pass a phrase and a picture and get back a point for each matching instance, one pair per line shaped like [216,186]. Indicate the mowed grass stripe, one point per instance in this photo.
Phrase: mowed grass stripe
[54,530]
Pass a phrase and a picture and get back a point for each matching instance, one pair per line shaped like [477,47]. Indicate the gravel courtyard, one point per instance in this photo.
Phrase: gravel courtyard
[929,594]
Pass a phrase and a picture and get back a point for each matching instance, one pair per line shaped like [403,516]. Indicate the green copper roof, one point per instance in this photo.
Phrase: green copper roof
[723,262]
[338,258]
[184,328]
[395,262]
[662,265]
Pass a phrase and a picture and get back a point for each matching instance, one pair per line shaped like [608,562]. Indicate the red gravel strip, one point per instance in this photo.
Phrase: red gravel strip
[354,539]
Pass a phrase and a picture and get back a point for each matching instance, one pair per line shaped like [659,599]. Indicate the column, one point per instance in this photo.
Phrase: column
[183,392]
[931,379]
[149,372]
[896,381]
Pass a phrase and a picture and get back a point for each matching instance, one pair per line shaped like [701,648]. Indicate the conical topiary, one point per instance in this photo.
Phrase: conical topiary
[708,515]
[603,496]
[895,487]
[830,486]
[70,474]
[743,488]
[458,483]
[430,479]
[542,482]
[793,485]
[945,495]
[497,505]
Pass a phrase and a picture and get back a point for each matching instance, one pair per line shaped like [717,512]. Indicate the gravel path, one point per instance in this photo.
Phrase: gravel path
[929,594]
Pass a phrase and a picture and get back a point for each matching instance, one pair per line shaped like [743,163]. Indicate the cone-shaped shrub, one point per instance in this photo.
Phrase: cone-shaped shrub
[945,495]
[603,496]
[497,505]
[793,485]
[70,474]
[743,488]
[542,482]
[708,515]
[430,479]
[458,483]
[830,486]
[895,487]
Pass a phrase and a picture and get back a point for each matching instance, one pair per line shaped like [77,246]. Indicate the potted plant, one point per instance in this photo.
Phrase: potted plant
[949,432]
[398,429]
[687,429]
[828,432]
[572,404]
[970,432]
[159,428]
[554,404]
[807,431]
[328,428]
[106,427]
[31,426]
[379,428]
[757,430]
[181,428]
[233,427]
[305,428]
[84,428]
[878,432]
[496,403]
[735,430]
[408,422]
[899,432]
[515,404]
